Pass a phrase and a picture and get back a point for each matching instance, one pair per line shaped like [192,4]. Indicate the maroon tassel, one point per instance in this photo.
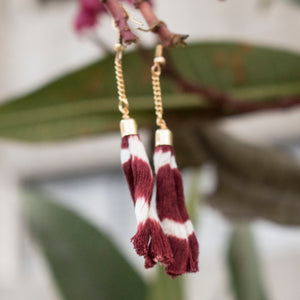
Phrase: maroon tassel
[193,242]
[172,212]
[149,240]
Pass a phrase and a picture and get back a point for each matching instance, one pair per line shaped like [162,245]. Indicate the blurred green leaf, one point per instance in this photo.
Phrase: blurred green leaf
[231,66]
[193,199]
[268,2]
[252,181]
[85,263]
[89,117]
[164,287]
[85,103]
[244,266]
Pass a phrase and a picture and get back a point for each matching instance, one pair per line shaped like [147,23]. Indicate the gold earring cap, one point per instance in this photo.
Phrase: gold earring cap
[163,137]
[128,127]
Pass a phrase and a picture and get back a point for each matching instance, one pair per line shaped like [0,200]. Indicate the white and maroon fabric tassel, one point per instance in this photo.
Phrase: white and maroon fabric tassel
[171,208]
[193,242]
[149,240]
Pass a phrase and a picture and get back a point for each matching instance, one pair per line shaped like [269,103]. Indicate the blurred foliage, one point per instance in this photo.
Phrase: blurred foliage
[85,103]
[164,287]
[84,261]
[243,265]
[297,2]
[252,181]
[193,195]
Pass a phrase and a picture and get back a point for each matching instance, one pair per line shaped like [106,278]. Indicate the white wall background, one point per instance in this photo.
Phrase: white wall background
[29,36]
[38,43]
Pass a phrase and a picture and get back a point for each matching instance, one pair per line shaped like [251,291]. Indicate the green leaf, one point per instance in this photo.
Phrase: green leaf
[88,117]
[85,263]
[228,66]
[243,265]
[252,181]
[164,287]
[258,182]
[84,102]
[193,194]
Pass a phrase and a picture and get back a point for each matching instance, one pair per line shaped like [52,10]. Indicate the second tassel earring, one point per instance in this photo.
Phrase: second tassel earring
[170,201]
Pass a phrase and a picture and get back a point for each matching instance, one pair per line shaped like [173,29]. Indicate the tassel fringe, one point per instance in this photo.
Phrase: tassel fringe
[149,240]
[172,212]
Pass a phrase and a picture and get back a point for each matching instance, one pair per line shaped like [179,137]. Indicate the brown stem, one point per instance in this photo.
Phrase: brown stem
[167,38]
[120,16]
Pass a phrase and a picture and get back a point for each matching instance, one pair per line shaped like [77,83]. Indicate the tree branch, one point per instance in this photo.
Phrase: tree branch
[167,38]
[223,103]
[120,17]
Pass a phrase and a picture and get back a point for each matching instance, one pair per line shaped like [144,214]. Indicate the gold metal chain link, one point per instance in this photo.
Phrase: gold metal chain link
[123,102]
[159,60]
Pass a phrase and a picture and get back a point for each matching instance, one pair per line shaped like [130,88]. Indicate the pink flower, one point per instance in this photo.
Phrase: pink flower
[89,13]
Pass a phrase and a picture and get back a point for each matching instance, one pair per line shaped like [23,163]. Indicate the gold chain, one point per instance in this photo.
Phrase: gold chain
[156,72]
[123,102]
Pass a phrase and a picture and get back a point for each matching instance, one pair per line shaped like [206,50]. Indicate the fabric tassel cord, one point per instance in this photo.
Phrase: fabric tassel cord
[149,240]
[164,235]
[172,211]
[170,202]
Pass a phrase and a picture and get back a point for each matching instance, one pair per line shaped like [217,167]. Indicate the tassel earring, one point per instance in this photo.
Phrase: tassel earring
[149,240]
[170,201]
